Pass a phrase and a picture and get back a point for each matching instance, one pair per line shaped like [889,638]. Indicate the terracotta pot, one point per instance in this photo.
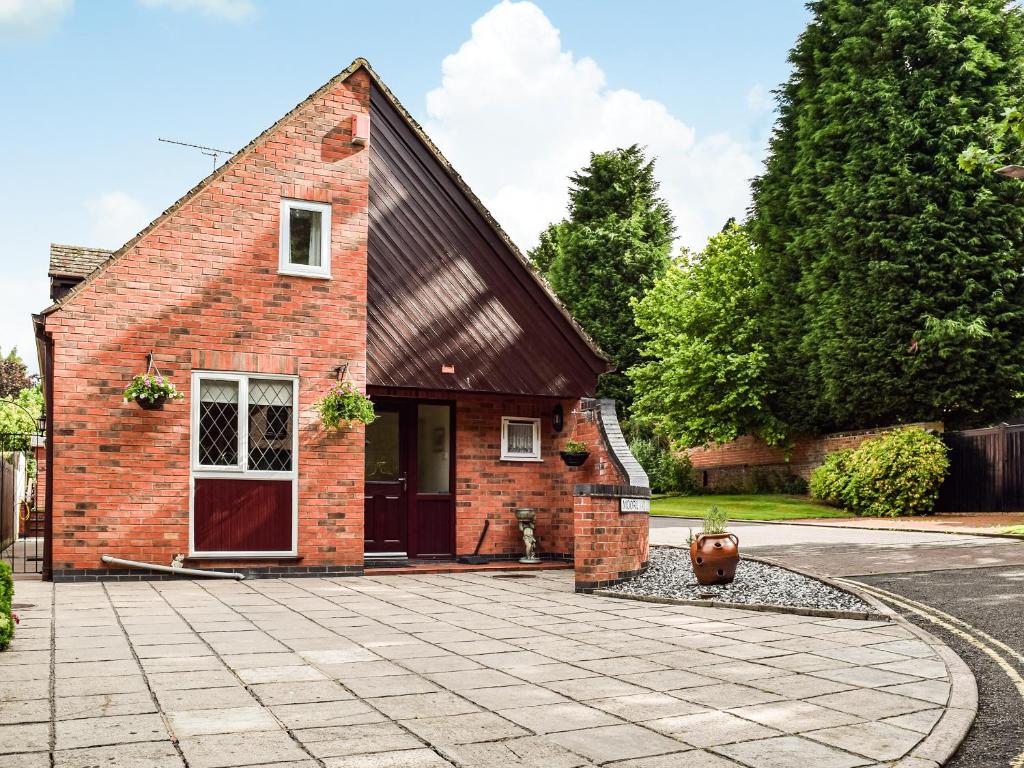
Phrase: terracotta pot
[151,405]
[715,557]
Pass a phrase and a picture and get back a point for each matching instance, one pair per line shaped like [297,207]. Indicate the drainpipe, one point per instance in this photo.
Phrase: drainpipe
[169,569]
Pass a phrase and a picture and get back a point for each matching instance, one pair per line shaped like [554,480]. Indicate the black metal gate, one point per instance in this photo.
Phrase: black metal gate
[986,471]
[22,518]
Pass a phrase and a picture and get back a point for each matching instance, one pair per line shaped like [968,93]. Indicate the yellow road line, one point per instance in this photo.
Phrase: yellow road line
[947,622]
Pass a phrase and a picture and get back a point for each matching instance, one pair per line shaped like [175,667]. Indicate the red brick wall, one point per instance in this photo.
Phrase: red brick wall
[205,281]
[609,545]
[733,463]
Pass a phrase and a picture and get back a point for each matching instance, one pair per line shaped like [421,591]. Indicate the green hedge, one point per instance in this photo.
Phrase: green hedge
[895,474]
[6,597]
[668,471]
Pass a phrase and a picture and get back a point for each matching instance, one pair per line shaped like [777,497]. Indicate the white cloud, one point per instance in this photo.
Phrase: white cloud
[116,218]
[517,114]
[759,99]
[232,10]
[31,16]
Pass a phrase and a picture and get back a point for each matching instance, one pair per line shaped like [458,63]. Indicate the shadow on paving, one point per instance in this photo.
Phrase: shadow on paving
[991,600]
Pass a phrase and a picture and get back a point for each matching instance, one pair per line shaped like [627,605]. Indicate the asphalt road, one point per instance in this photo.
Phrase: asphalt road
[992,600]
[976,580]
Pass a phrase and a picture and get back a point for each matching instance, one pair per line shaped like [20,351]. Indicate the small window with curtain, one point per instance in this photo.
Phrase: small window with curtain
[305,239]
[520,439]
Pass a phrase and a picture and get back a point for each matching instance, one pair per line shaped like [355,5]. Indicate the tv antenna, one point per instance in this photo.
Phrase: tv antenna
[208,151]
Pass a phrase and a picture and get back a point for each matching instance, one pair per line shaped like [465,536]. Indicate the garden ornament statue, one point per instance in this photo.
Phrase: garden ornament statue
[527,518]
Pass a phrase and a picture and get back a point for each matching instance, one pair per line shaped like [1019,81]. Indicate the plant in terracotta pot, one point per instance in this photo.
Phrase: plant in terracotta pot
[715,552]
[151,391]
[575,453]
[344,406]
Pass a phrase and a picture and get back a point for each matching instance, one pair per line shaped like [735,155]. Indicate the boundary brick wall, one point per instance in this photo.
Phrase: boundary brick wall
[205,280]
[733,464]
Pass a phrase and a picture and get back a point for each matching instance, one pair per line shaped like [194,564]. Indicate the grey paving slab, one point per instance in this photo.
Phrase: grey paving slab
[157,754]
[616,742]
[789,751]
[459,670]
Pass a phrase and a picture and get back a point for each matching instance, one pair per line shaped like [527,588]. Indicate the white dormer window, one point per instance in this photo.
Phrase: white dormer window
[520,439]
[305,239]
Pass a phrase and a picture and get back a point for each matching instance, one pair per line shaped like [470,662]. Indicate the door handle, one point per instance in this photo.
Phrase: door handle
[402,478]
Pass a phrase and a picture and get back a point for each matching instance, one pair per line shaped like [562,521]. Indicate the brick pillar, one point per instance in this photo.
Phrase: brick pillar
[611,511]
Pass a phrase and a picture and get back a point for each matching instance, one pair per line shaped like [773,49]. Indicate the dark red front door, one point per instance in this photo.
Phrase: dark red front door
[410,470]
[386,525]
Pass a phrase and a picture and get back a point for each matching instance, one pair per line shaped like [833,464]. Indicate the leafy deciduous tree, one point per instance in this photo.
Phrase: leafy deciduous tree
[703,380]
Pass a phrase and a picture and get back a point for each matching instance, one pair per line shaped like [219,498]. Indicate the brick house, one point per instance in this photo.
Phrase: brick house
[339,244]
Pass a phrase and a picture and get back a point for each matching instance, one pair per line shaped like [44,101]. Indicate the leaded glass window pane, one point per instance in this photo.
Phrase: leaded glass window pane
[270,425]
[218,423]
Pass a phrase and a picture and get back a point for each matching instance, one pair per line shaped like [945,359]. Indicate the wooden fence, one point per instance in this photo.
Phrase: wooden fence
[986,471]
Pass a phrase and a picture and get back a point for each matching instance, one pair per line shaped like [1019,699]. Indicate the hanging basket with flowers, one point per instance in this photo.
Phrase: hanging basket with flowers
[344,406]
[150,389]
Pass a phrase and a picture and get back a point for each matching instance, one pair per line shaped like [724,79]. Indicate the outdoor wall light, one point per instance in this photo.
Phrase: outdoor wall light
[557,418]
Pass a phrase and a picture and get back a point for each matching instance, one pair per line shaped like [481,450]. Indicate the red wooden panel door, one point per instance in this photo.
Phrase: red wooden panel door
[385,523]
[234,515]
[432,503]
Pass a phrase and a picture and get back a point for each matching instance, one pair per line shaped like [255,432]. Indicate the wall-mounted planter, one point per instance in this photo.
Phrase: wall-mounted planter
[574,458]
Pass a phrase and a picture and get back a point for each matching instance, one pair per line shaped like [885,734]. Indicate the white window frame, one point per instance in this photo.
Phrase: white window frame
[241,470]
[535,455]
[285,266]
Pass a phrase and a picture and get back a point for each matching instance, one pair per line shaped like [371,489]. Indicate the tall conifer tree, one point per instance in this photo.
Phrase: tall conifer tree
[610,250]
[891,279]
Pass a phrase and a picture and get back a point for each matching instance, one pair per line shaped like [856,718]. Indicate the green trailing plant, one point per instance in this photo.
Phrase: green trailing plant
[7,618]
[344,406]
[715,521]
[151,388]
[896,474]
[575,446]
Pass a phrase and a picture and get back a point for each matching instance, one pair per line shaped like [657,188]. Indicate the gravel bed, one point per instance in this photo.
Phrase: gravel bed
[671,575]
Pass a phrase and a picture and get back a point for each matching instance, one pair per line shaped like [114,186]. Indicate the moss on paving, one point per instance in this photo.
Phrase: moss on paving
[746,507]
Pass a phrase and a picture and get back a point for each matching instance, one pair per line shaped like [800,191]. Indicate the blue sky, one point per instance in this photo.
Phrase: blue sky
[516,94]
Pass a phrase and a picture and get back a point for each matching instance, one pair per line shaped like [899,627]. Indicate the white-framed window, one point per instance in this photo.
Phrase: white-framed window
[520,439]
[244,424]
[305,241]
[244,427]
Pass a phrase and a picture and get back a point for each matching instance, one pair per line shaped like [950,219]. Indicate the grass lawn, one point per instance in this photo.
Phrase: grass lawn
[1015,530]
[744,507]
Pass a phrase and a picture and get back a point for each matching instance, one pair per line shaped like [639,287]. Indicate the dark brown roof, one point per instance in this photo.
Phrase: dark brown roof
[75,260]
[514,308]
[447,289]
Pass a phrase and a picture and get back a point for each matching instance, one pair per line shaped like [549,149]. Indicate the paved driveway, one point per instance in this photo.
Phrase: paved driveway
[468,670]
[834,551]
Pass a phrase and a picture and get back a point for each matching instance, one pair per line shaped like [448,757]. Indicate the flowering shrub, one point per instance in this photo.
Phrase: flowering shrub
[7,618]
[344,406]
[898,473]
[151,388]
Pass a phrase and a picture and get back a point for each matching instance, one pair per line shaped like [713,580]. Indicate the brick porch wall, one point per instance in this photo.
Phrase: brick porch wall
[195,289]
[610,546]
